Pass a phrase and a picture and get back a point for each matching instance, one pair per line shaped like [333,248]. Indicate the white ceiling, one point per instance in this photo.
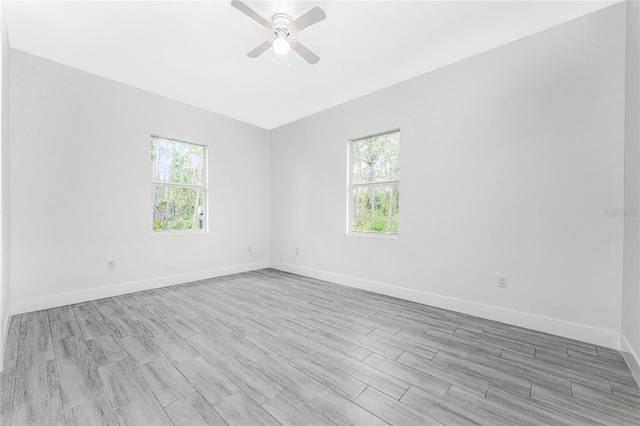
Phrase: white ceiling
[195,52]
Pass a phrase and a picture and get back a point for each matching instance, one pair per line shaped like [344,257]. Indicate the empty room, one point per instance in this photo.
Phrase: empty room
[320,213]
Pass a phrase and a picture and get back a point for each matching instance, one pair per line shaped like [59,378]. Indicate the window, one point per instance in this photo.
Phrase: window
[374,189]
[178,185]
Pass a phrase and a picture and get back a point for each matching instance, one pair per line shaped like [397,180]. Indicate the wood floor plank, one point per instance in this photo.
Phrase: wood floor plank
[436,408]
[165,381]
[289,377]
[423,345]
[79,383]
[341,411]
[123,326]
[174,348]
[541,344]
[329,377]
[629,391]
[145,411]
[376,345]
[485,411]
[431,322]
[580,374]
[417,378]
[6,411]
[60,313]
[152,326]
[447,373]
[182,327]
[141,348]
[96,412]
[537,409]
[64,327]
[70,350]
[208,348]
[210,326]
[371,376]
[241,347]
[46,412]
[596,397]
[11,343]
[471,369]
[290,410]
[391,410]
[105,349]
[275,346]
[36,345]
[7,383]
[122,382]
[524,371]
[239,409]
[36,383]
[35,316]
[250,379]
[206,379]
[556,340]
[308,346]
[463,343]
[85,311]
[581,367]
[193,410]
[590,359]
[338,344]
[497,341]
[94,327]
[580,407]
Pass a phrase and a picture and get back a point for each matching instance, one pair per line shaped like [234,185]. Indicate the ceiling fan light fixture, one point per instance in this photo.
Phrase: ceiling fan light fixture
[283,26]
[281,46]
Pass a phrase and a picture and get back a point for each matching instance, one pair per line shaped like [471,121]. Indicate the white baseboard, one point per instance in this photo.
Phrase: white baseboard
[631,357]
[584,333]
[68,298]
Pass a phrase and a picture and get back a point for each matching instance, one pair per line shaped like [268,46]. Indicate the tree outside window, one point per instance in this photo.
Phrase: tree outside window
[375,184]
[178,185]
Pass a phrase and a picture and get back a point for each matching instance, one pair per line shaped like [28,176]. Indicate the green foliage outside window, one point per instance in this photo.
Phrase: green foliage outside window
[375,179]
[178,190]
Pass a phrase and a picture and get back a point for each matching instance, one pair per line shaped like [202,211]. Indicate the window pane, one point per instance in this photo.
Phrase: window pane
[376,158]
[176,162]
[376,209]
[177,208]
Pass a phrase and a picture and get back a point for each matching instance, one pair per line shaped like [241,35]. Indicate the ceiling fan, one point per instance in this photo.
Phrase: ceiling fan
[283,26]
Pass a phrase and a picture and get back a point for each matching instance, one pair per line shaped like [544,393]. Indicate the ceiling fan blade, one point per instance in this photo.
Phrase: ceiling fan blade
[260,49]
[306,54]
[313,16]
[250,13]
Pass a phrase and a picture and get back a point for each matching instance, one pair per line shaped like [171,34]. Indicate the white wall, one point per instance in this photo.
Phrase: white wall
[509,160]
[630,334]
[81,194]
[5,295]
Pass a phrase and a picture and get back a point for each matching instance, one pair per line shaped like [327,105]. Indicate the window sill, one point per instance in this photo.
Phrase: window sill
[374,235]
[185,232]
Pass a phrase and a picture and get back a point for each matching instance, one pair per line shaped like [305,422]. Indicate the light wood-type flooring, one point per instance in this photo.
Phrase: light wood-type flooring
[268,347]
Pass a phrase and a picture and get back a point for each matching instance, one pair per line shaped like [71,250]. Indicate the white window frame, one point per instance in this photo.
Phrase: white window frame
[203,188]
[351,186]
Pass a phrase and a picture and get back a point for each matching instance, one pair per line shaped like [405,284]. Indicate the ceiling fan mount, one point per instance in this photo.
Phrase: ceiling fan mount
[281,20]
[283,26]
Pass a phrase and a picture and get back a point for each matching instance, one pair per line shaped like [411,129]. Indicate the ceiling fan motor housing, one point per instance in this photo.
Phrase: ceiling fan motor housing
[280,23]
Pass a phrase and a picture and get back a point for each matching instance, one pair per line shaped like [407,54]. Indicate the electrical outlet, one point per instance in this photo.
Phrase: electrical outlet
[502,281]
[297,250]
[249,249]
[111,264]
